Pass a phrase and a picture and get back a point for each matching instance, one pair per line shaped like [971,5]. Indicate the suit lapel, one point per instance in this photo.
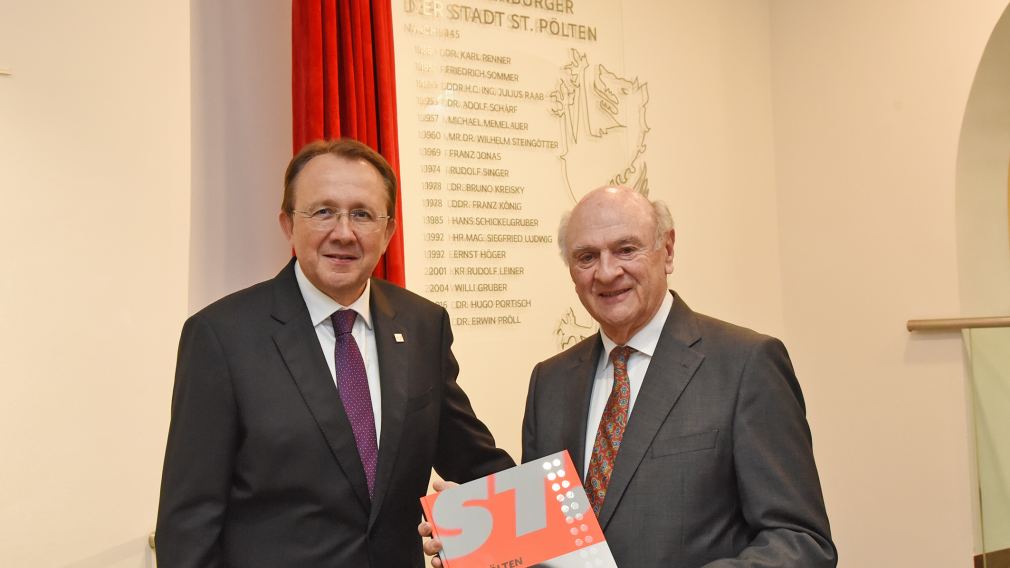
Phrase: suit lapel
[579,381]
[671,369]
[393,374]
[299,347]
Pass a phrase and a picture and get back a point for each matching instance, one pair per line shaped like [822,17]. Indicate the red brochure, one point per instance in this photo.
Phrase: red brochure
[533,514]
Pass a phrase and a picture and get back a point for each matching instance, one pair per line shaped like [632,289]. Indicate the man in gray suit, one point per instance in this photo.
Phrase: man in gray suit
[304,405]
[690,433]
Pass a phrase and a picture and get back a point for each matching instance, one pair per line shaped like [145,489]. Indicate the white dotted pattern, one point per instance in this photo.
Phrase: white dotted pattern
[570,507]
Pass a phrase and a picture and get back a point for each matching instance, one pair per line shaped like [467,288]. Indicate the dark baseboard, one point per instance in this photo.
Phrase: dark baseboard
[994,559]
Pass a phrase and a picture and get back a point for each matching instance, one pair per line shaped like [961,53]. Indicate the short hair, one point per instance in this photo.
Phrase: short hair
[348,149]
[660,213]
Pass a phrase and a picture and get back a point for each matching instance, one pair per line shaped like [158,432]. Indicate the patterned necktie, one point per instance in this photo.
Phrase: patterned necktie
[611,431]
[352,384]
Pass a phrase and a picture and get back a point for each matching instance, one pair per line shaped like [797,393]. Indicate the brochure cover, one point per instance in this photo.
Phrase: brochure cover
[535,514]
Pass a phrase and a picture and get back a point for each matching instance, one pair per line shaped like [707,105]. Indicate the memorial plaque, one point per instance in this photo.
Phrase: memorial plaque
[508,112]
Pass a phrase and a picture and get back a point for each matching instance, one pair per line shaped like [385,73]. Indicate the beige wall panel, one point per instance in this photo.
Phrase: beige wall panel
[241,70]
[868,103]
[95,150]
[708,153]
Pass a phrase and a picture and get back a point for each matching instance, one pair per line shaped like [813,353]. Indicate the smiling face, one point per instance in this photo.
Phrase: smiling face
[339,261]
[618,268]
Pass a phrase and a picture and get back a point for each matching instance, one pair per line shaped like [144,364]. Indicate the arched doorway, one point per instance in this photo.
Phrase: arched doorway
[984,274]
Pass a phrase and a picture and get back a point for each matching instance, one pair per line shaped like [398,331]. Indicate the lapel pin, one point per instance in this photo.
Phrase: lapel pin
[398,337]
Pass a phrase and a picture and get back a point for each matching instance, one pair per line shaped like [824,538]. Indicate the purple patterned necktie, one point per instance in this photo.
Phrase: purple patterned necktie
[352,384]
[611,431]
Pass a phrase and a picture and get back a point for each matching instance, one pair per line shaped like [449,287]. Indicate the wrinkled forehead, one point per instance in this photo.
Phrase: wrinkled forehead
[602,223]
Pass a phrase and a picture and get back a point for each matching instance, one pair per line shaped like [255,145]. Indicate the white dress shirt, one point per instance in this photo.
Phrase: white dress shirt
[644,344]
[321,307]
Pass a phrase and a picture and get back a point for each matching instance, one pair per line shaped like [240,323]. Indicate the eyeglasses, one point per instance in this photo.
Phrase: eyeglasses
[326,218]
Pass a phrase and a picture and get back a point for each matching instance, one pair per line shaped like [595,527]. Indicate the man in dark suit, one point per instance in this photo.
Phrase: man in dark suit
[690,433]
[304,406]
[713,463]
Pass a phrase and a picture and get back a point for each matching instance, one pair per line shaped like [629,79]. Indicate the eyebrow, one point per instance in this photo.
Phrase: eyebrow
[332,204]
[618,243]
[627,241]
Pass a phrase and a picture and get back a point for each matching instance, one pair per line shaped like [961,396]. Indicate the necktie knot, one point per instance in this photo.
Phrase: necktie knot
[343,321]
[620,355]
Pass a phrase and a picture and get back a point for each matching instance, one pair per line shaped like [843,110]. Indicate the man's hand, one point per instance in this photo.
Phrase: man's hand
[433,546]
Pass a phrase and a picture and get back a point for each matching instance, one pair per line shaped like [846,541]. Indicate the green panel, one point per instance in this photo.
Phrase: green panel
[990,365]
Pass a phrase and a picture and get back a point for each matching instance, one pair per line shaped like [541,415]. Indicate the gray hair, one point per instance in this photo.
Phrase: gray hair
[660,212]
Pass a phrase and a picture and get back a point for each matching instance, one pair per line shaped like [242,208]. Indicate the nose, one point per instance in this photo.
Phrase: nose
[341,230]
[608,268]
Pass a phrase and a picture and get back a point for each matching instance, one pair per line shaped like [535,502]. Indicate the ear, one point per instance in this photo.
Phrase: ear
[668,250]
[287,224]
[390,229]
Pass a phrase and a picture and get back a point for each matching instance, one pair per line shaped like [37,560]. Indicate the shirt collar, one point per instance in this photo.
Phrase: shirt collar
[321,306]
[647,338]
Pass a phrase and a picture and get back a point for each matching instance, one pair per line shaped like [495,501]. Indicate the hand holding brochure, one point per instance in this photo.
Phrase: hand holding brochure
[536,513]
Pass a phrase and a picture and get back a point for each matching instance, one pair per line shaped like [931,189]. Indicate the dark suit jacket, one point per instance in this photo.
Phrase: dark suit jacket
[261,467]
[716,467]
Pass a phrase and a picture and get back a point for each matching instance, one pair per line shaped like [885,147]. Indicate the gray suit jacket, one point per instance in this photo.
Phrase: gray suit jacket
[716,467]
[262,468]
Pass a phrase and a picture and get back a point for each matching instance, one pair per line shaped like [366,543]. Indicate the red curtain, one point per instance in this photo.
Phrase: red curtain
[343,85]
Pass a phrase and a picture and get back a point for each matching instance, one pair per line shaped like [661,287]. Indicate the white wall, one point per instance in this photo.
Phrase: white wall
[94,173]
[241,69]
[868,102]
[710,150]
[110,124]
